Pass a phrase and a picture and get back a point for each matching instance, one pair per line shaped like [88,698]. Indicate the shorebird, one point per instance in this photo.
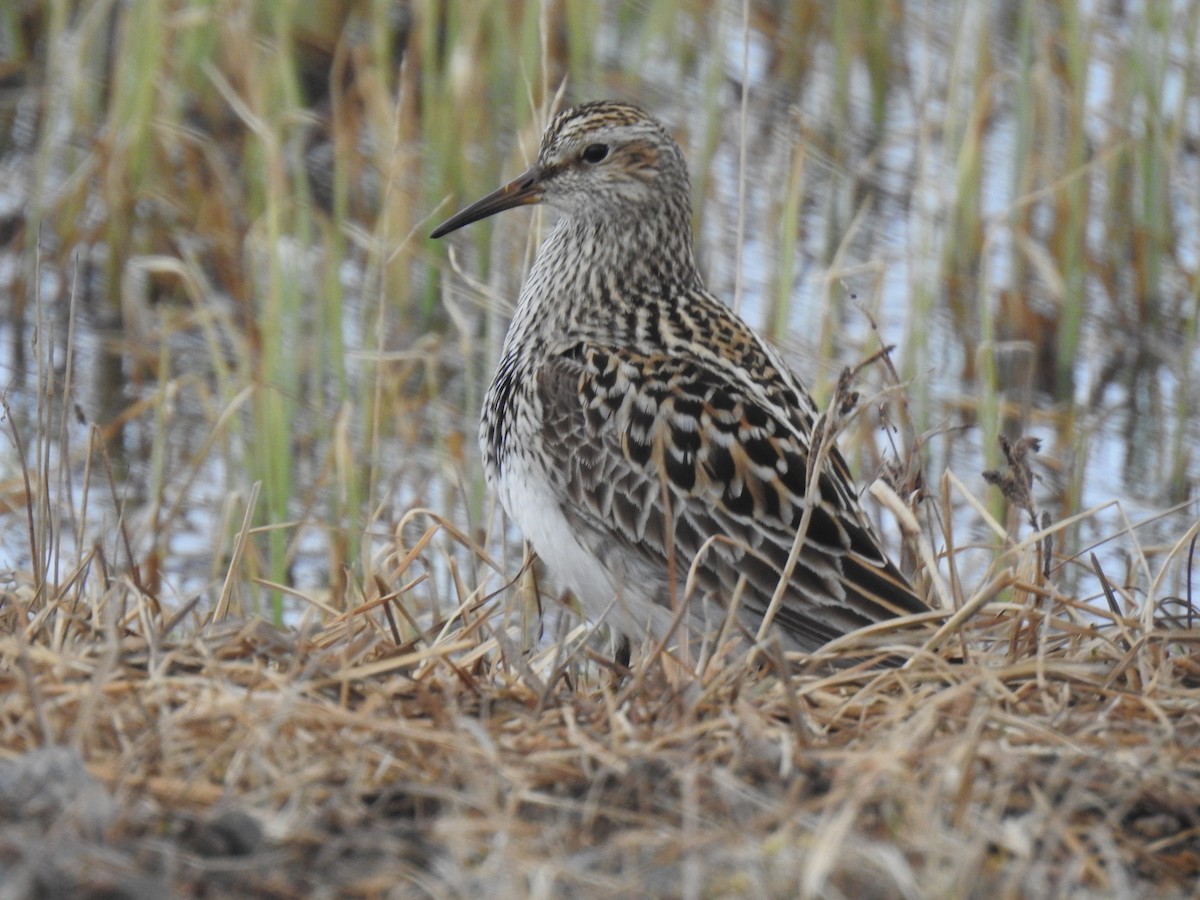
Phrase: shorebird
[653,449]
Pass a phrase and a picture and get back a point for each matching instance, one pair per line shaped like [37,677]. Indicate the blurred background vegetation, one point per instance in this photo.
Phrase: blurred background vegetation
[219,303]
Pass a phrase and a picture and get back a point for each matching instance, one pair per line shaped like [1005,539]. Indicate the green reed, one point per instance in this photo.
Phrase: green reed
[191,124]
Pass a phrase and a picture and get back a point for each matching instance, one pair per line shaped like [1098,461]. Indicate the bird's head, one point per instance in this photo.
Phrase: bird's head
[603,161]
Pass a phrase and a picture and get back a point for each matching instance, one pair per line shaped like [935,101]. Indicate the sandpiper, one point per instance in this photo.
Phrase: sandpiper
[652,448]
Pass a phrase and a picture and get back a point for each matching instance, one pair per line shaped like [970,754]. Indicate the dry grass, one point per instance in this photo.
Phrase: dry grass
[1060,757]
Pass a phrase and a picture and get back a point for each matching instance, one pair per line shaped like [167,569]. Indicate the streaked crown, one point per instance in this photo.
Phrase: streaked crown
[610,156]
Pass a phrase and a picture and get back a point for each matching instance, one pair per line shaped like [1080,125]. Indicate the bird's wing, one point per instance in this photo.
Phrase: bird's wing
[631,434]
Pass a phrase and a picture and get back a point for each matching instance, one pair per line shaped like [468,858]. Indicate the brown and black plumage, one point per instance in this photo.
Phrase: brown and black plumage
[653,449]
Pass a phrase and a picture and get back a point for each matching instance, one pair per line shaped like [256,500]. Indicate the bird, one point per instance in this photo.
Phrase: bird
[653,449]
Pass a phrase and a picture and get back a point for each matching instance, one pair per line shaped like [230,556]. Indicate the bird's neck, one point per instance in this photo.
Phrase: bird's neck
[590,276]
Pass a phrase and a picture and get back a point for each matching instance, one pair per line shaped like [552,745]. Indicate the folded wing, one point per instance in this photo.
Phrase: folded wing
[633,435]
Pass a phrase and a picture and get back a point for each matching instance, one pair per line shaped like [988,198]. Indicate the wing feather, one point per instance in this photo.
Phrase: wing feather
[631,434]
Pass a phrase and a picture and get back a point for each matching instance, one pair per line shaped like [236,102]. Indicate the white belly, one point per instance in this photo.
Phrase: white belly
[530,501]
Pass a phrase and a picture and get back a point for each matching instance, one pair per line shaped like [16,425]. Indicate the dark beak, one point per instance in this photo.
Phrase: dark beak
[521,191]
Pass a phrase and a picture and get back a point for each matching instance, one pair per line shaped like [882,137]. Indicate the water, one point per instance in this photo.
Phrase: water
[875,221]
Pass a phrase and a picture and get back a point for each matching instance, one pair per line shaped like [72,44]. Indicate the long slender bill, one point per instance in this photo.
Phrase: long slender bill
[521,191]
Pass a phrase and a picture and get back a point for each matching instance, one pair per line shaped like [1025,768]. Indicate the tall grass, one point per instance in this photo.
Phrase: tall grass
[269,175]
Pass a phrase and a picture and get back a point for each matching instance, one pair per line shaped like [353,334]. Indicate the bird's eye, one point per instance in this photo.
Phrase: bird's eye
[593,153]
